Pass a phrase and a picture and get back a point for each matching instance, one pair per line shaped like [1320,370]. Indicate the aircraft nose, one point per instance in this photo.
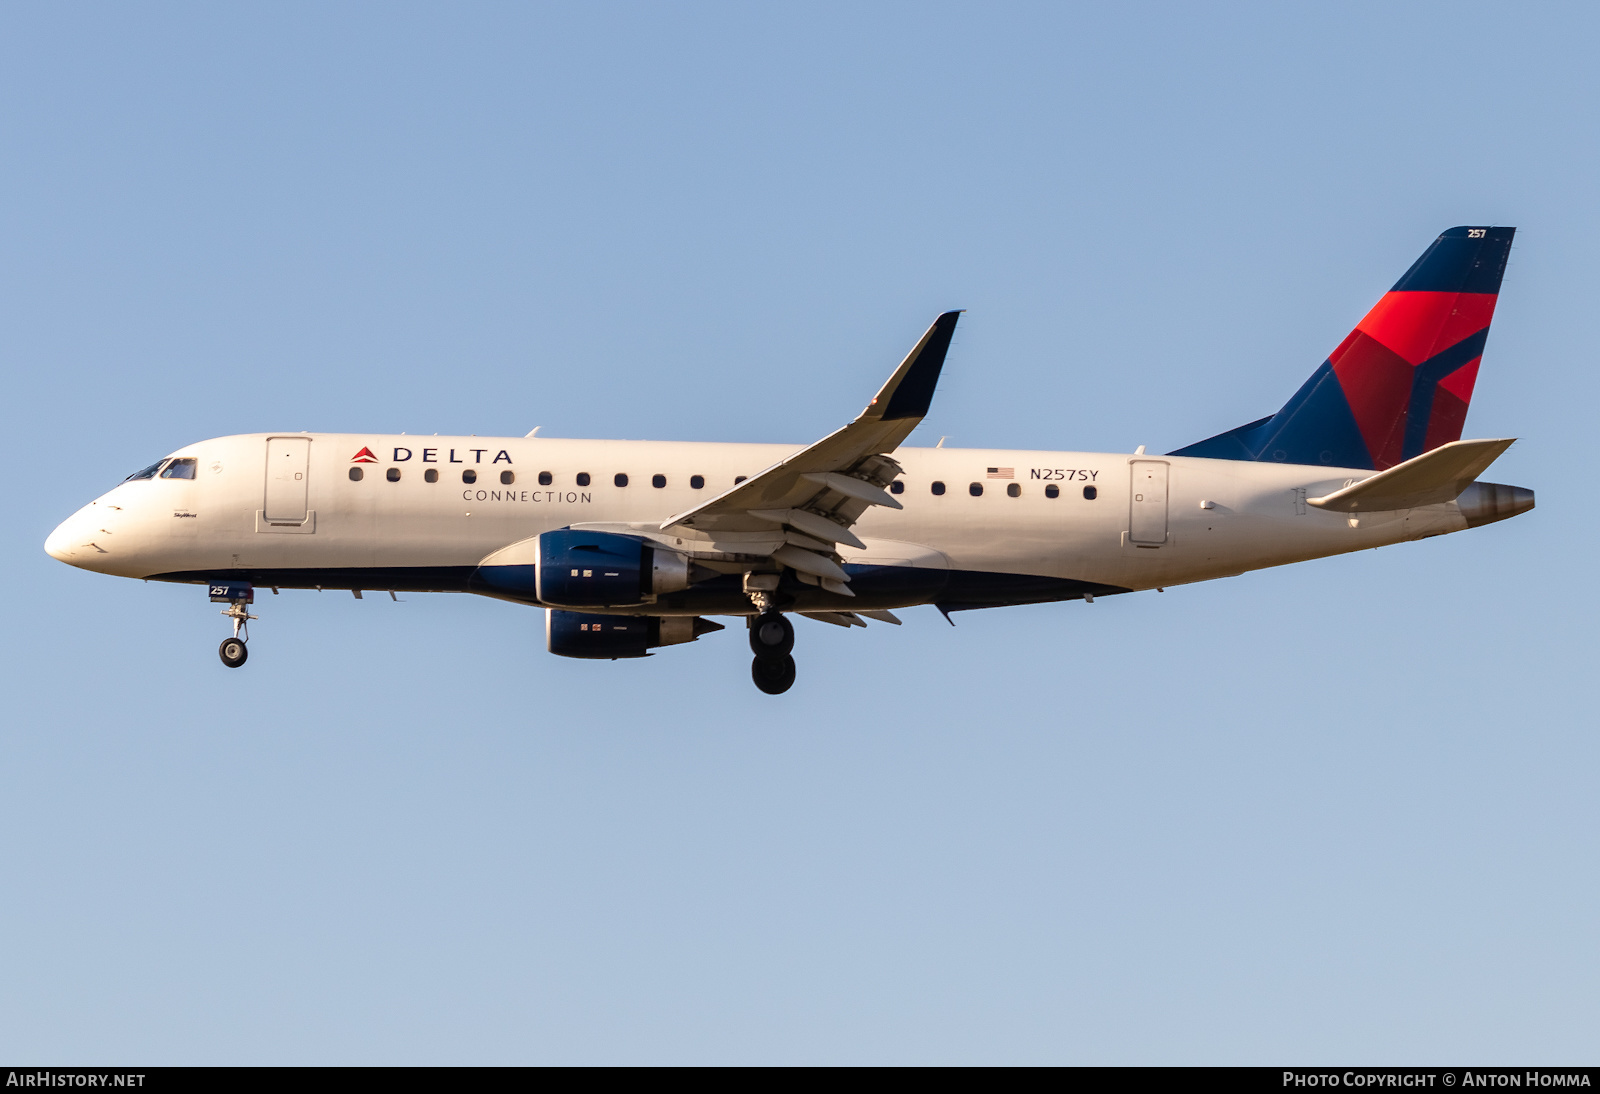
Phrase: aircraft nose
[70,542]
[59,544]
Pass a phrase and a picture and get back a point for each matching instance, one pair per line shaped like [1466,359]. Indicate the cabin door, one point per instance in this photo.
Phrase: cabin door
[288,467]
[1147,507]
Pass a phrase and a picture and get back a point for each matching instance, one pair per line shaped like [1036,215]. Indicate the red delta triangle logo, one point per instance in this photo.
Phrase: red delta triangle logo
[364,456]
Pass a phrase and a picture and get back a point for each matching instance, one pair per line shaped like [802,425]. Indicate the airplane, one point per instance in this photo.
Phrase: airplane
[630,546]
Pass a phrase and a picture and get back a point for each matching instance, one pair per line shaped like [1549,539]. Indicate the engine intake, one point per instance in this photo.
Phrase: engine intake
[608,637]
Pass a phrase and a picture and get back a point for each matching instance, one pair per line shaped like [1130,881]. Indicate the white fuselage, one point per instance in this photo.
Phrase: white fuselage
[243,514]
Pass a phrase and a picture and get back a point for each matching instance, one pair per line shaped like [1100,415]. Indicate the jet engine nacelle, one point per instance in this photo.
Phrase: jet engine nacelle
[597,569]
[586,569]
[608,637]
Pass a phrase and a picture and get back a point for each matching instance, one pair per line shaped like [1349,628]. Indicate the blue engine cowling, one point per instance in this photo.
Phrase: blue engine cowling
[608,637]
[586,569]
[591,568]
[604,569]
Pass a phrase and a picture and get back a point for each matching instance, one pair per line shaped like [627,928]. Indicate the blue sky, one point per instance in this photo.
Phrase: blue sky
[1339,811]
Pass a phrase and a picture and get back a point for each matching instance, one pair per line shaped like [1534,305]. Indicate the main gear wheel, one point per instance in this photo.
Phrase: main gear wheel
[773,675]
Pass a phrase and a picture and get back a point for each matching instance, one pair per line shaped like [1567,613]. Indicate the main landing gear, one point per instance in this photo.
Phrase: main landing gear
[771,639]
[771,636]
[238,596]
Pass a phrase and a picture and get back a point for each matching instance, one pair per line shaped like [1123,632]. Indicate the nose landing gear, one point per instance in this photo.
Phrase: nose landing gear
[771,639]
[238,596]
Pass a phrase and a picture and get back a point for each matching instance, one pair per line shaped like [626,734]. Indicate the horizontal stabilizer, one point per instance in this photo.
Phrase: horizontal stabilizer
[1436,476]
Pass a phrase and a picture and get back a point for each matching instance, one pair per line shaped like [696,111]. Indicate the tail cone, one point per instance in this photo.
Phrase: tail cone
[1487,502]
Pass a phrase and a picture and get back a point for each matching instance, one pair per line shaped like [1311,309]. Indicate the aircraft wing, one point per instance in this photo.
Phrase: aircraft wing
[1440,474]
[805,504]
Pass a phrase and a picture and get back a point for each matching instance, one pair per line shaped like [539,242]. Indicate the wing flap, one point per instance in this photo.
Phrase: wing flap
[838,619]
[852,487]
[809,562]
[811,524]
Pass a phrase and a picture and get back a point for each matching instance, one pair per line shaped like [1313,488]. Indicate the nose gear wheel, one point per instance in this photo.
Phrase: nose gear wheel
[233,650]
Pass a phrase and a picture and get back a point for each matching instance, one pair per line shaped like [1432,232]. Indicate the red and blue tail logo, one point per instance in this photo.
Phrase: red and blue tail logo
[1401,382]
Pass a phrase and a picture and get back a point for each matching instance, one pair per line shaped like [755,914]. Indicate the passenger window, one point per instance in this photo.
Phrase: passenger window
[1014,490]
[697,482]
[897,487]
[938,488]
[1052,491]
[1090,493]
[620,478]
[431,475]
[180,468]
[469,475]
[355,474]
[658,481]
[975,489]
[545,478]
[147,473]
[507,478]
[583,478]
[393,474]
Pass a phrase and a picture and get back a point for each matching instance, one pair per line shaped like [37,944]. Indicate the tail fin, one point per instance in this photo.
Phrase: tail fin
[1400,383]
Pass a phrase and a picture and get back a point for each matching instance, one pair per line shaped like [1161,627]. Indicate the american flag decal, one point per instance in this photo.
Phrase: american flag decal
[1002,472]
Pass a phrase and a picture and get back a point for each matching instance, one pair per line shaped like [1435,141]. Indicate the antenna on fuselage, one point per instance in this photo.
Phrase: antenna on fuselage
[534,432]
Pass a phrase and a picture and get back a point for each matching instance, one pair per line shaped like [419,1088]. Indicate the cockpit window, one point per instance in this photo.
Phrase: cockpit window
[180,468]
[147,473]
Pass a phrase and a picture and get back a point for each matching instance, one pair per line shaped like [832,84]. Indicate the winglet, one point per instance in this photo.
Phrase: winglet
[850,464]
[909,391]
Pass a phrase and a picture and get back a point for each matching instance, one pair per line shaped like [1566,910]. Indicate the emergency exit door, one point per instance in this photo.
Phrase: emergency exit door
[288,467]
[1147,512]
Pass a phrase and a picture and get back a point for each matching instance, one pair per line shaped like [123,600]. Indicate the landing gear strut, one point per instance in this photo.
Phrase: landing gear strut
[238,596]
[771,639]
